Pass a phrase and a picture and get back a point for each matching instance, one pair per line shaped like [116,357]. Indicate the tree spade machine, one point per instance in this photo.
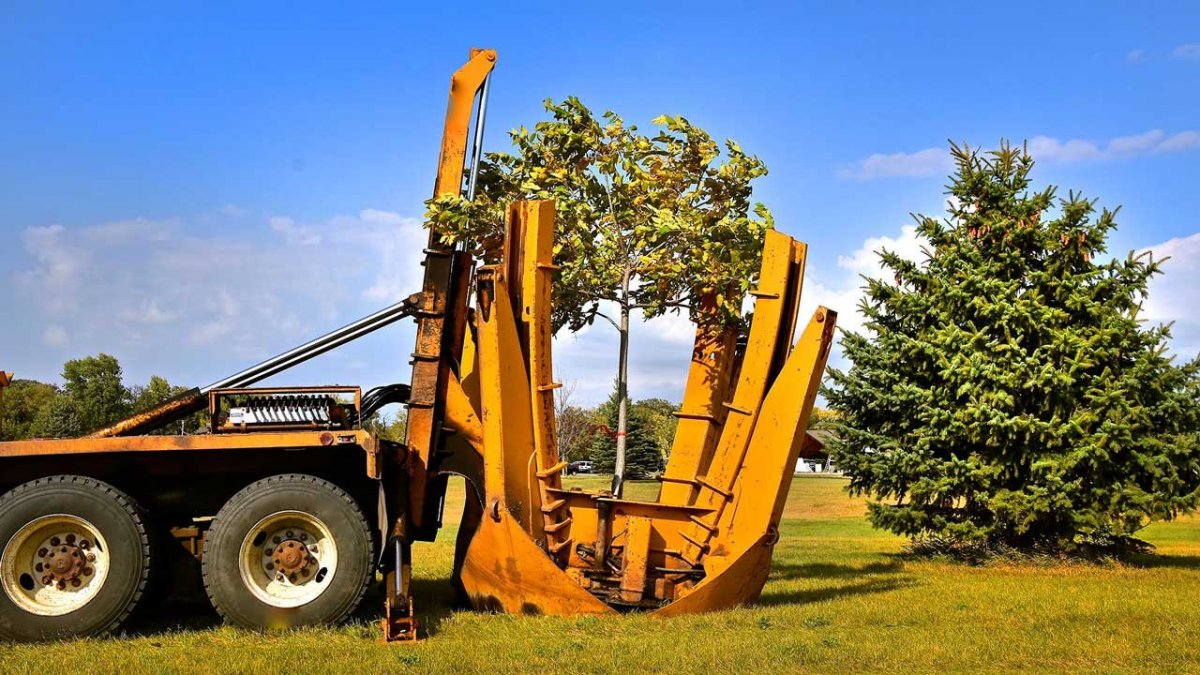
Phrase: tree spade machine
[293,508]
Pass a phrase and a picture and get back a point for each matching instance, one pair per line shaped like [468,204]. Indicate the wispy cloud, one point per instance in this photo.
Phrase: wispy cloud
[936,161]
[1188,52]
[1173,293]
[1184,52]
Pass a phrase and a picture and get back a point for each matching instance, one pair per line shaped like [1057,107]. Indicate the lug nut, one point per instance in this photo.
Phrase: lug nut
[62,585]
[75,582]
[267,551]
[63,549]
[87,571]
[46,580]
[55,541]
[70,539]
[270,566]
[276,539]
[303,537]
[84,544]
[91,557]
[289,534]
[292,577]
[38,567]
[42,553]
[279,577]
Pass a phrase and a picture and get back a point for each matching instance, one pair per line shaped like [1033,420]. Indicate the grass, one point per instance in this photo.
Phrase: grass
[839,599]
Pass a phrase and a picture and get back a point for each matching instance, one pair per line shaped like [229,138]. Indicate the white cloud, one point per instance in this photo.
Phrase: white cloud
[1173,293]
[1136,56]
[171,297]
[55,336]
[1188,52]
[927,162]
[842,289]
[293,233]
[937,161]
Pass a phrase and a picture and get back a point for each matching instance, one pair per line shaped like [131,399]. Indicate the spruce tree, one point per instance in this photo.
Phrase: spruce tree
[643,457]
[1005,392]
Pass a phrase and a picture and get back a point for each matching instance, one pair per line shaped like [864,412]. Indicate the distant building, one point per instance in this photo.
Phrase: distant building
[813,457]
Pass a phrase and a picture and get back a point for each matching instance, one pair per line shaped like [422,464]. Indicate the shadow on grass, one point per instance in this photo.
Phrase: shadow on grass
[876,577]
[434,600]
[811,595]
[785,571]
[1151,561]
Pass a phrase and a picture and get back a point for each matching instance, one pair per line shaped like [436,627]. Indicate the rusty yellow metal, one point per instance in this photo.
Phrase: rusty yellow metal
[430,367]
[754,377]
[504,570]
[200,443]
[702,413]
[706,543]
[505,405]
[536,227]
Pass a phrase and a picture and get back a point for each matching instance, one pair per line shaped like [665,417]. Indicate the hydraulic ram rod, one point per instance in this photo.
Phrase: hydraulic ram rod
[195,400]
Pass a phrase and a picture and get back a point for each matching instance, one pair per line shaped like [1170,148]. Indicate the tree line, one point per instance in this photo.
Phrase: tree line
[93,395]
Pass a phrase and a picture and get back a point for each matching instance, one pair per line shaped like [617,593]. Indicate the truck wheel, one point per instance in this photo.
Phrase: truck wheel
[76,558]
[289,550]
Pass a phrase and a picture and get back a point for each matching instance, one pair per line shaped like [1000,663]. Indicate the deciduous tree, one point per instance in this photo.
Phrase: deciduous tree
[645,224]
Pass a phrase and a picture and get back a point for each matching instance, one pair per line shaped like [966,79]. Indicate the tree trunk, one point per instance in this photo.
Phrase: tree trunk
[622,388]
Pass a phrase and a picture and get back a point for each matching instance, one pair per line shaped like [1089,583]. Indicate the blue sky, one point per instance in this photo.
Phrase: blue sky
[192,189]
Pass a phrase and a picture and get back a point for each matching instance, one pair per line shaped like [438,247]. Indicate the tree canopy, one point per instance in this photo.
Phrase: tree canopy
[1005,390]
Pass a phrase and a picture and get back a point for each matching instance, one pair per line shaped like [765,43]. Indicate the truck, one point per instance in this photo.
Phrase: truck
[294,508]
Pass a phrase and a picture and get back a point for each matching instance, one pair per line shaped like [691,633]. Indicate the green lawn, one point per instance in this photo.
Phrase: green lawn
[838,599]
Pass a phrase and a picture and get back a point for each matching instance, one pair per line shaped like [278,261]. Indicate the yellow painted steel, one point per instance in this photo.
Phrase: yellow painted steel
[706,543]
[537,269]
[431,367]
[702,413]
[506,411]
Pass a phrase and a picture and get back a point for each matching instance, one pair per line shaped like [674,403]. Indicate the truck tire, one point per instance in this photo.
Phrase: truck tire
[287,551]
[75,561]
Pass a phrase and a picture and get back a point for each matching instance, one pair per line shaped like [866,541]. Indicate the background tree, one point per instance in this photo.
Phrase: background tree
[574,424]
[658,415]
[156,392]
[1006,392]
[643,457]
[647,223]
[23,401]
[94,385]
[389,425]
